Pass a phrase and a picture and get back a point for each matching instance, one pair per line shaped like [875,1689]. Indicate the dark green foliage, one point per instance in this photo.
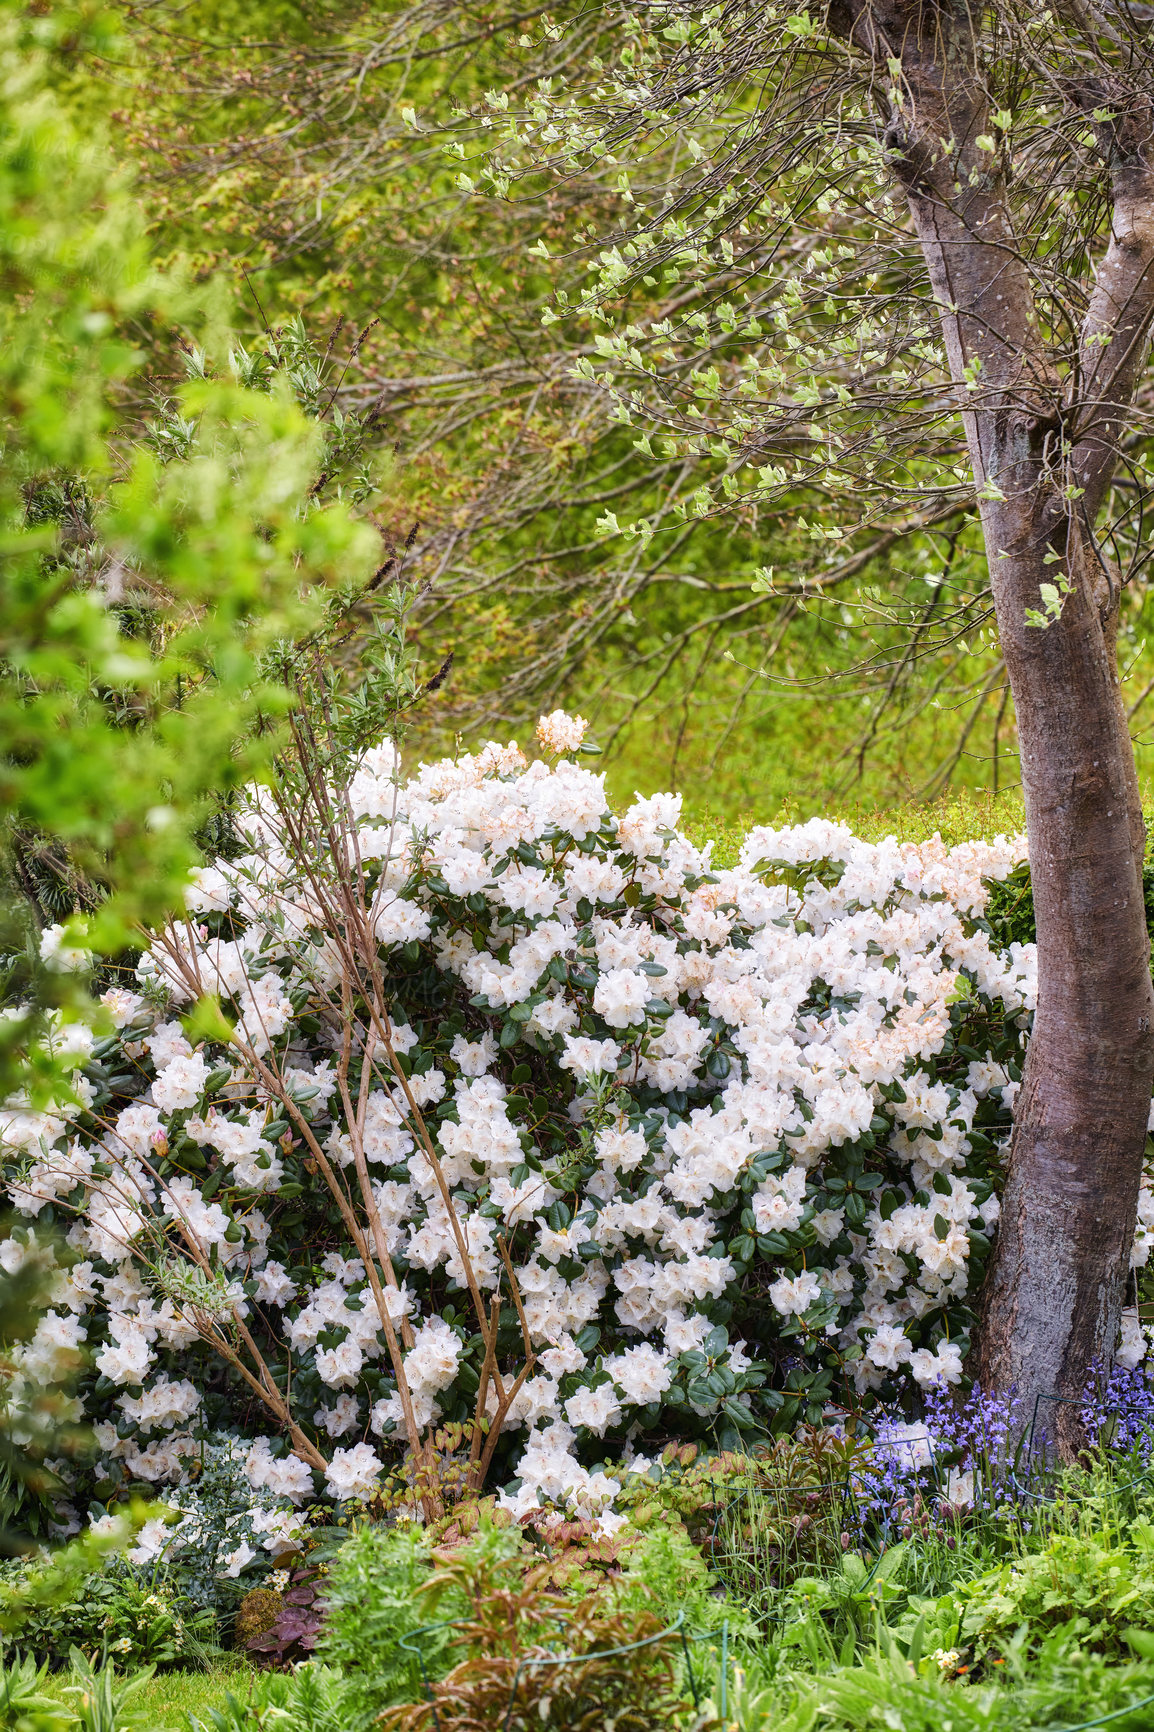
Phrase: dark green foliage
[139,1617]
[1009,915]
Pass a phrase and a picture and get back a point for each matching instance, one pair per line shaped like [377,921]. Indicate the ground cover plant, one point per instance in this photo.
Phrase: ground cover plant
[963,1624]
[138,1616]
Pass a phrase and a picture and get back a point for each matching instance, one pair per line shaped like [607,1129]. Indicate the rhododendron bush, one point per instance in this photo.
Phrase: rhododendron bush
[515,1110]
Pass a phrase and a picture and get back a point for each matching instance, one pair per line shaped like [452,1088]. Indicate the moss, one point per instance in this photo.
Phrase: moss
[257,1613]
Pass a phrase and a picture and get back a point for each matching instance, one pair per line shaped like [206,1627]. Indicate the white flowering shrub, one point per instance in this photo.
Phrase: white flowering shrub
[215,1524]
[526,1113]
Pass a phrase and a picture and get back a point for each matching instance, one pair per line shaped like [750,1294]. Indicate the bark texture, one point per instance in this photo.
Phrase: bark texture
[1043,448]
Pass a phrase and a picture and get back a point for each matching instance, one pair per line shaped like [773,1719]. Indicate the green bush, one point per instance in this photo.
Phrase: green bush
[140,1618]
[372,1603]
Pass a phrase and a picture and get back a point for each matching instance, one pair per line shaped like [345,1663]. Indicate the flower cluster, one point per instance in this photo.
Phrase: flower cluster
[960,1455]
[1119,1410]
[697,1140]
[217,1525]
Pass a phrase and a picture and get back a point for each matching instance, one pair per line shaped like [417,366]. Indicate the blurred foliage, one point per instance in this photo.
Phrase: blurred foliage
[38,1418]
[167,527]
[138,594]
[55,1579]
[24,1702]
[314,151]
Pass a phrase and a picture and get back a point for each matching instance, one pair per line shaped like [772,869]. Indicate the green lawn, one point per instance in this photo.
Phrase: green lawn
[959,816]
[169,1698]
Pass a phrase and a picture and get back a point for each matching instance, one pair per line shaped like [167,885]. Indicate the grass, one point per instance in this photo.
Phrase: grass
[169,1698]
[963,815]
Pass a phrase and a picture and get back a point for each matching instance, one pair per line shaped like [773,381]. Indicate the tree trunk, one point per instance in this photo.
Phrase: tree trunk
[1042,450]
[1056,1282]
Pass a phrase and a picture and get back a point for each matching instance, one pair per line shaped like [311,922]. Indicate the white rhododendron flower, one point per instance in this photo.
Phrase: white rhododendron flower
[354,1472]
[684,1129]
[793,1296]
[560,733]
[181,1083]
[588,1057]
[59,952]
[235,1561]
[151,1542]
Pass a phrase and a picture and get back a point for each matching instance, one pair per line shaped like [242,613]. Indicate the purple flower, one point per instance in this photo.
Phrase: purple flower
[1118,1411]
[961,1453]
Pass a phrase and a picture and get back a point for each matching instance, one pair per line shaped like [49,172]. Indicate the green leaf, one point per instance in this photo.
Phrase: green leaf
[206,1021]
